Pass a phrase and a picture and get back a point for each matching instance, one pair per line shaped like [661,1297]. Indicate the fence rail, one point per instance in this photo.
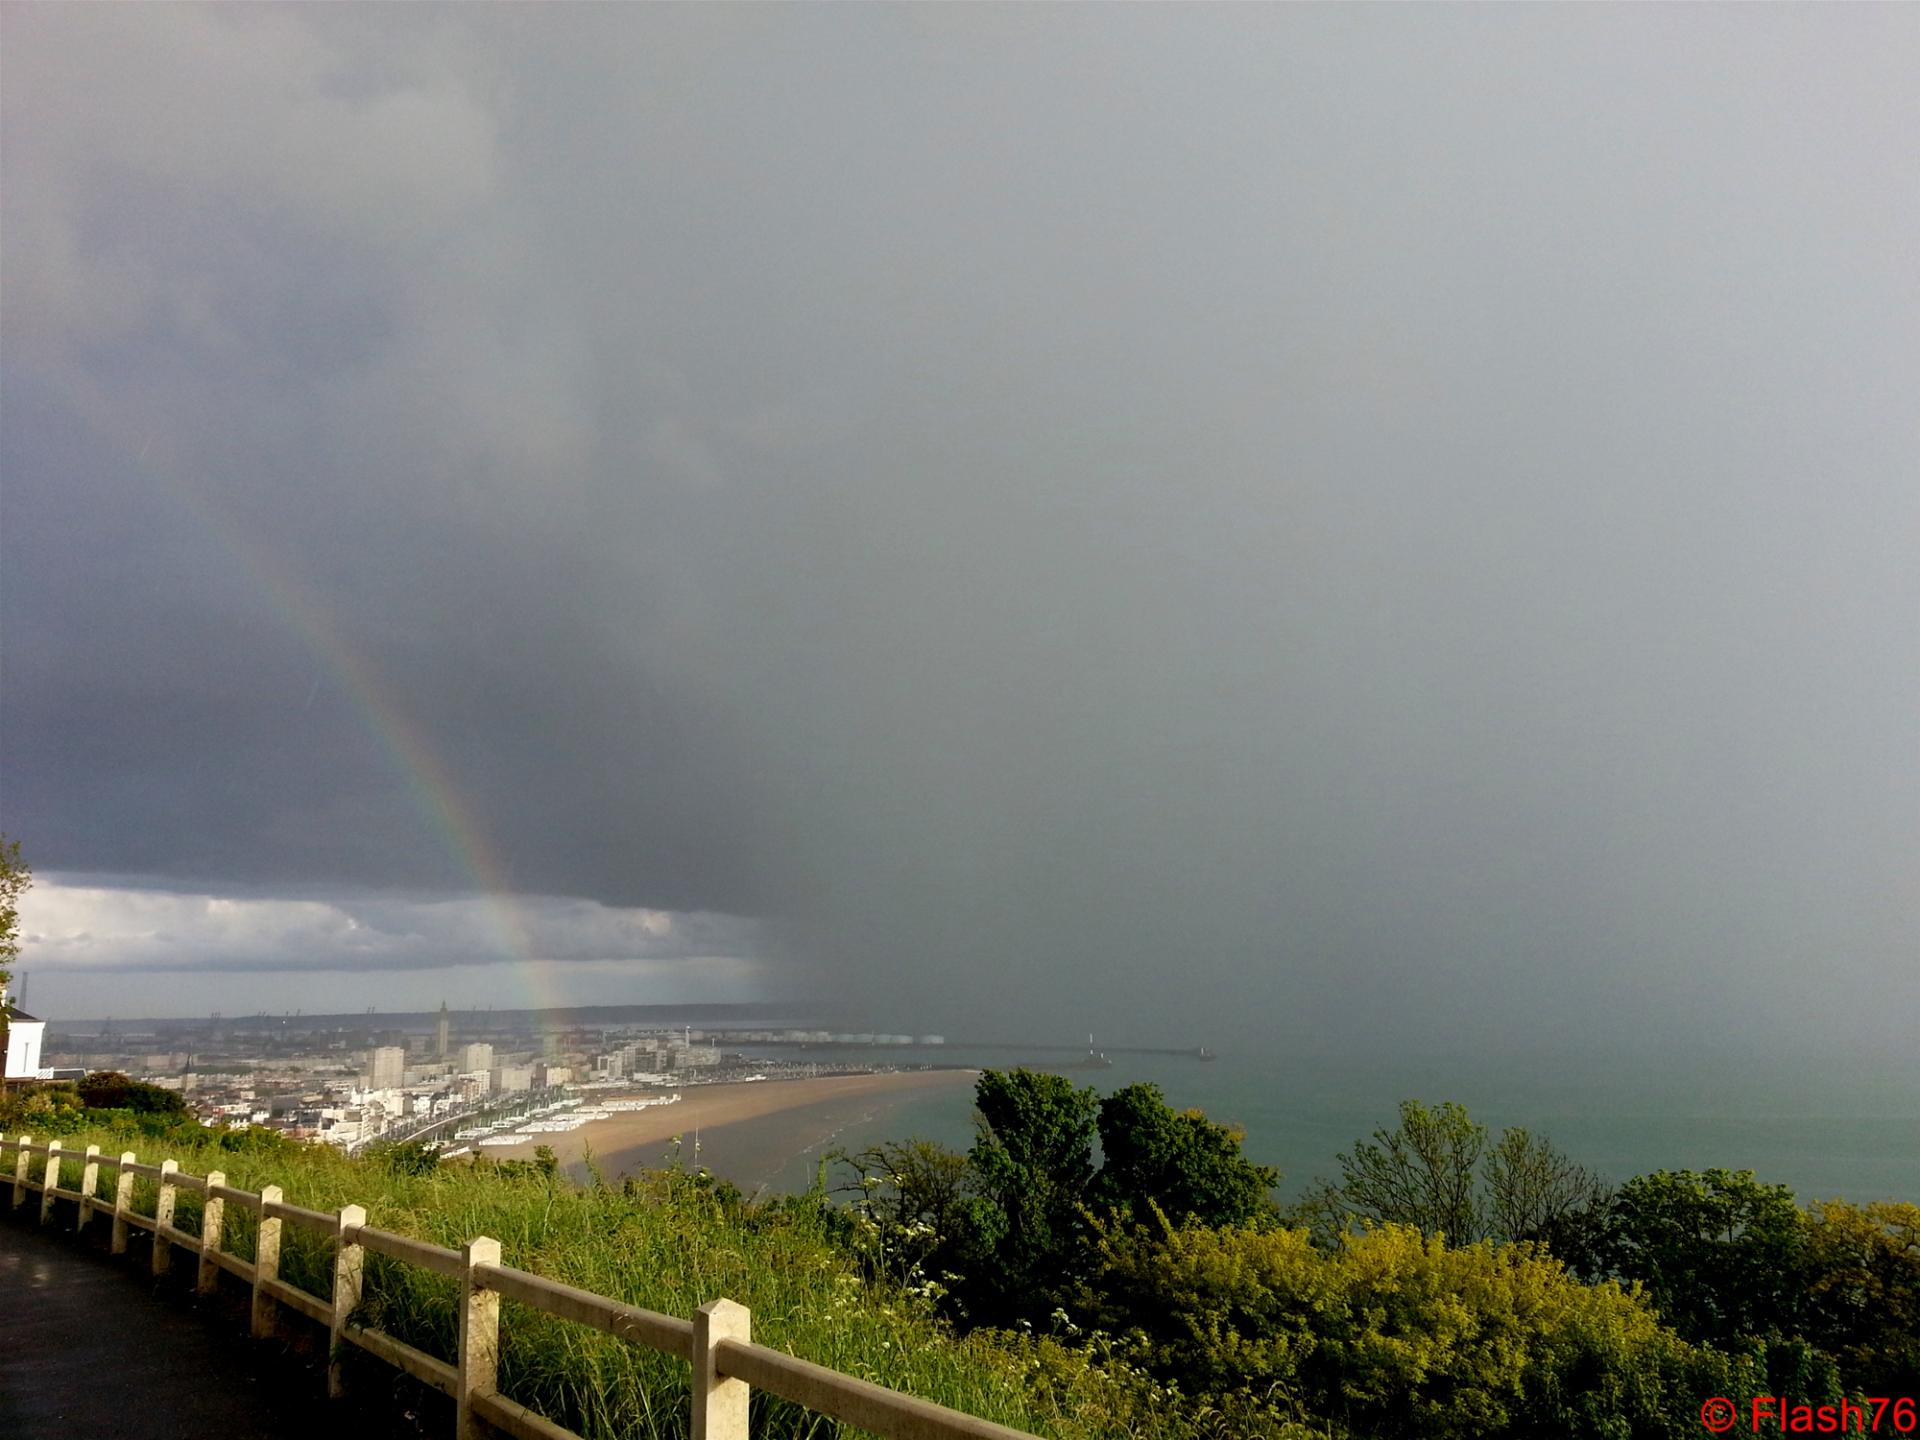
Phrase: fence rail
[716,1341]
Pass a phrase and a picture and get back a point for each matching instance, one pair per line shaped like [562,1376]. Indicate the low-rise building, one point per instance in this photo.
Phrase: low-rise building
[25,1035]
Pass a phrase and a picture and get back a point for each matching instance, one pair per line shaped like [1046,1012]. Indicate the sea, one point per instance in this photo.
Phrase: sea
[1822,1127]
[1828,1122]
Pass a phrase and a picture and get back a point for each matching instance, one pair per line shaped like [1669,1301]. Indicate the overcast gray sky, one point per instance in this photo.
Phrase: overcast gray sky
[1342,524]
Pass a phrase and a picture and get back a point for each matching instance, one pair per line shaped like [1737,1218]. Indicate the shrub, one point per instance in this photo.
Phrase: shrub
[1396,1334]
[111,1090]
[1863,1292]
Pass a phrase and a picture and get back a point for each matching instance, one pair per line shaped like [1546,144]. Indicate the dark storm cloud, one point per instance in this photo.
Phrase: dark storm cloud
[1321,504]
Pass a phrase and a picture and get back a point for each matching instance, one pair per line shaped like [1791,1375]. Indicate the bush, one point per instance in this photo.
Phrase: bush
[1396,1334]
[111,1090]
[42,1110]
[257,1140]
[1863,1292]
[412,1157]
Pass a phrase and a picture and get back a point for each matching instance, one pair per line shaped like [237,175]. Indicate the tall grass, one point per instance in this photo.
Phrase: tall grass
[668,1243]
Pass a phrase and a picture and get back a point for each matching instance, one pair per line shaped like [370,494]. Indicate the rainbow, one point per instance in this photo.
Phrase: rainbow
[429,785]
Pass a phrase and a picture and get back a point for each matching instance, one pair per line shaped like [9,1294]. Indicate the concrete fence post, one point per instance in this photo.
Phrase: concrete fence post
[478,1359]
[22,1162]
[349,1271]
[213,1218]
[89,1184]
[266,1263]
[163,1217]
[122,1200]
[49,1181]
[719,1403]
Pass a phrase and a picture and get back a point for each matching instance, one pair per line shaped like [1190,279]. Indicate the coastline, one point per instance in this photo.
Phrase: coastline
[749,1130]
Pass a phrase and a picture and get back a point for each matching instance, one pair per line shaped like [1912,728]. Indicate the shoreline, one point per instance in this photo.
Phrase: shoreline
[748,1130]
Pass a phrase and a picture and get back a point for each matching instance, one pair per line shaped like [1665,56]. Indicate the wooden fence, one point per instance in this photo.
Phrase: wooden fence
[716,1342]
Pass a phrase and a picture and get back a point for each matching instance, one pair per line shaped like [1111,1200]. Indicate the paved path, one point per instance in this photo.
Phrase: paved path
[90,1346]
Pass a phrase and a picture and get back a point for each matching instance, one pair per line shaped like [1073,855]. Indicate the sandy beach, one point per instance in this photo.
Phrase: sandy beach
[749,1131]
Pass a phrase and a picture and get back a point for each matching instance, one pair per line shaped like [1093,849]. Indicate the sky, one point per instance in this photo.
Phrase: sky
[1338,526]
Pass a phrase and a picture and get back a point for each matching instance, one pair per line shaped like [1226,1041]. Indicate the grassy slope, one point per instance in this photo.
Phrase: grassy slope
[671,1249]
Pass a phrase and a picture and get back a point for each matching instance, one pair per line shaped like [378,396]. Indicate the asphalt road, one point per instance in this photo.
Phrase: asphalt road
[92,1346]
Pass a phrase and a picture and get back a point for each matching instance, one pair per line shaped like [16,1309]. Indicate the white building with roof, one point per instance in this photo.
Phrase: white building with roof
[24,1036]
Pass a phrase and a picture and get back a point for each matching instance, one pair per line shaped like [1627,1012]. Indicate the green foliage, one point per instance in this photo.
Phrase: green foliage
[1722,1256]
[910,1213]
[1178,1307]
[1177,1162]
[1032,1163]
[1034,1150]
[1002,1235]
[15,879]
[1442,1173]
[1422,1174]
[1394,1333]
[42,1111]
[111,1090]
[257,1140]
[63,1109]
[410,1157]
[1863,1292]
[1534,1192]
[670,1242]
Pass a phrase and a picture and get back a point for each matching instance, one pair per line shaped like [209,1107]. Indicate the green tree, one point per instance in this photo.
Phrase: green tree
[1534,1192]
[1179,1162]
[1032,1161]
[15,877]
[1863,1292]
[1423,1174]
[912,1203]
[1442,1173]
[1722,1256]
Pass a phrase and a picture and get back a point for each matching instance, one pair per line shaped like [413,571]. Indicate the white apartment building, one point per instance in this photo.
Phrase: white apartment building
[506,1078]
[386,1067]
